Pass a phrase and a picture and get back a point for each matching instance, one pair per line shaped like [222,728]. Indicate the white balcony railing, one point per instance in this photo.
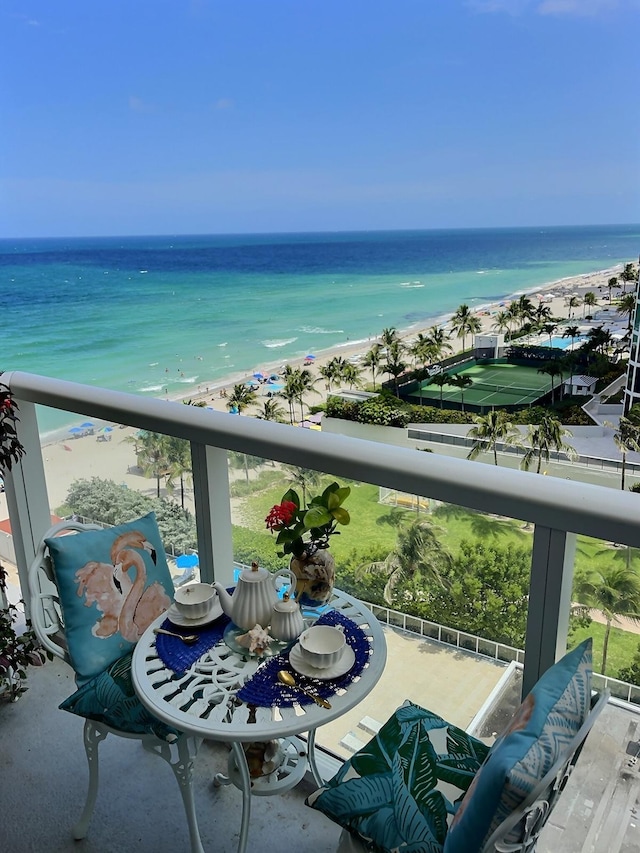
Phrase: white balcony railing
[558,509]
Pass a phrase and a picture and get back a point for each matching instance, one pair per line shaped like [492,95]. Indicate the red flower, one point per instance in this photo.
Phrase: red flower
[281,515]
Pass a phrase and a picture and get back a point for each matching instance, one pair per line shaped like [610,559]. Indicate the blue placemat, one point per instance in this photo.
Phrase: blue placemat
[263,688]
[177,655]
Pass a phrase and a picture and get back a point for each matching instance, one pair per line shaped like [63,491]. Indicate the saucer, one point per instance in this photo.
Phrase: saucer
[174,615]
[341,667]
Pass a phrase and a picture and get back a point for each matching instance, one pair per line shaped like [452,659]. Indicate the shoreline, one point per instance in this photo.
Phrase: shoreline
[68,459]
[209,392]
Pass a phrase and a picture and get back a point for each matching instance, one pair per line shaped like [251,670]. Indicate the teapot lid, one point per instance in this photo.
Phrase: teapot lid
[286,604]
[254,575]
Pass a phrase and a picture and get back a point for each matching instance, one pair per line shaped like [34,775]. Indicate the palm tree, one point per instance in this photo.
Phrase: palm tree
[552,369]
[351,374]
[544,437]
[418,558]
[627,439]
[372,360]
[613,282]
[152,456]
[465,323]
[501,322]
[589,299]
[241,397]
[328,373]
[289,393]
[628,274]
[395,366]
[271,411]
[439,340]
[305,384]
[571,332]
[440,379]
[461,381]
[490,430]
[571,303]
[542,315]
[178,454]
[305,479]
[513,313]
[389,336]
[549,329]
[526,311]
[627,305]
[615,591]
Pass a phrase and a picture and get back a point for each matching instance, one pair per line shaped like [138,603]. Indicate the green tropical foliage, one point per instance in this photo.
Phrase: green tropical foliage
[490,430]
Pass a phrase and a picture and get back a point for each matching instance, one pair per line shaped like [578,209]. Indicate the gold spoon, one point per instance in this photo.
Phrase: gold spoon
[286,678]
[189,639]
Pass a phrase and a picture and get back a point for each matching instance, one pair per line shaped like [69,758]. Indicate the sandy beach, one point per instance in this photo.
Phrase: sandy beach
[68,459]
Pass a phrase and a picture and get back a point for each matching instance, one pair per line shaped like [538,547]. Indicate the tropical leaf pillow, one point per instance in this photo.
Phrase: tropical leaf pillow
[400,791]
[110,698]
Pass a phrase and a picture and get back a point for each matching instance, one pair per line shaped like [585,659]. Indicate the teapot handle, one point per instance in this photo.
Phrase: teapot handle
[290,577]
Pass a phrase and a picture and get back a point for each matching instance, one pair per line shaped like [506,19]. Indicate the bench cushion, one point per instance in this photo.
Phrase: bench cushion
[112,583]
[539,732]
[402,787]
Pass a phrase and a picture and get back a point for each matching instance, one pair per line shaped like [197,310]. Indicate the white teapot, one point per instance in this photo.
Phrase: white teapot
[254,596]
[286,619]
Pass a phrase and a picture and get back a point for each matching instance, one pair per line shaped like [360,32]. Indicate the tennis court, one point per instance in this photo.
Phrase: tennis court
[492,385]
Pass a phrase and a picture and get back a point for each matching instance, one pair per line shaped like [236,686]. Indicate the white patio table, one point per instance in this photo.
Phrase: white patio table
[203,702]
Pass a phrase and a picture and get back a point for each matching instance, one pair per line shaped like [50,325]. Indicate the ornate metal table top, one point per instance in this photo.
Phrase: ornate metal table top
[203,701]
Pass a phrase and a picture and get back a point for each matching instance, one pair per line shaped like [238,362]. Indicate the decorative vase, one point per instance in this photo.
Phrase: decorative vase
[315,577]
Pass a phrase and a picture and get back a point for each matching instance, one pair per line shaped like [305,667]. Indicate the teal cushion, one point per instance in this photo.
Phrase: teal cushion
[110,698]
[113,583]
[399,792]
[539,733]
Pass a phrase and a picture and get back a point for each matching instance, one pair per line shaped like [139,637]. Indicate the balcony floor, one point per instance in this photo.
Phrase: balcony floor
[43,778]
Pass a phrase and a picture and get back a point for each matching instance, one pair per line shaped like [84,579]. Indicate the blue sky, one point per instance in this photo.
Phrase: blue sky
[217,116]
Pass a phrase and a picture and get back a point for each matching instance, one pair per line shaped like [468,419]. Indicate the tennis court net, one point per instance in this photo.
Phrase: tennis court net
[515,390]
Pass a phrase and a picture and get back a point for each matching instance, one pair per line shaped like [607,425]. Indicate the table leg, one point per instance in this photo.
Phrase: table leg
[311,756]
[243,769]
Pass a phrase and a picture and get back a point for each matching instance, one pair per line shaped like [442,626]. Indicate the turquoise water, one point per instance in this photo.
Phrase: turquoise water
[156,315]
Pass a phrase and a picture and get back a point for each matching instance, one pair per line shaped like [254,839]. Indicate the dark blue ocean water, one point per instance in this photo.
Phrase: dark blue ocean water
[147,314]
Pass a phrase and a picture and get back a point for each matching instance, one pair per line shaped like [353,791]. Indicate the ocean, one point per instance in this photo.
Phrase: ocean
[177,314]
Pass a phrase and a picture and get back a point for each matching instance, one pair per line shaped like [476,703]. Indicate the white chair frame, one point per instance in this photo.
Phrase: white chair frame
[48,624]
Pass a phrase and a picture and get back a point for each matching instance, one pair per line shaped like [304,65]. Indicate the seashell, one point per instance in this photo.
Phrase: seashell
[256,640]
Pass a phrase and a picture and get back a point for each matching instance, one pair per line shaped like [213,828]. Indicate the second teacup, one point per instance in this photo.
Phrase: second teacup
[194,600]
[322,645]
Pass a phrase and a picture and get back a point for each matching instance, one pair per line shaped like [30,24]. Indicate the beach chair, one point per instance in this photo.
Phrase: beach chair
[107,702]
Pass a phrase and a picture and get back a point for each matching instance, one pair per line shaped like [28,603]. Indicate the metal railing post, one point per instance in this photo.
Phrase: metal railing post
[549,601]
[213,513]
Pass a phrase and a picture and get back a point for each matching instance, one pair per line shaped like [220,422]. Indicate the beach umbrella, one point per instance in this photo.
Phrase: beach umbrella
[76,429]
[187,561]
[309,357]
[107,429]
[86,425]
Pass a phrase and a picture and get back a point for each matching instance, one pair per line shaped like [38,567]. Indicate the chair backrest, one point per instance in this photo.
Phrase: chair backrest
[519,832]
[44,602]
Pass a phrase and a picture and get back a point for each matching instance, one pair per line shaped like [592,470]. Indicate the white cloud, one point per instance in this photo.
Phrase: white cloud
[137,105]
[579,8]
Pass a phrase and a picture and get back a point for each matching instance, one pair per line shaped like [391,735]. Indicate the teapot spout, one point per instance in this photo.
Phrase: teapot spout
[226,602]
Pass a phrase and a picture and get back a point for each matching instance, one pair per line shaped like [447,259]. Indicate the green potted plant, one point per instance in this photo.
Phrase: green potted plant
[16,651]
[304,532]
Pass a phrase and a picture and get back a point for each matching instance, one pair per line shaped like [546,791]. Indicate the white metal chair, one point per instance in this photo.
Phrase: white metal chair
[530,817]
[47,620]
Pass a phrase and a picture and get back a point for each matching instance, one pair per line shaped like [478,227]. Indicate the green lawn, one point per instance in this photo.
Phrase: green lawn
[454,524]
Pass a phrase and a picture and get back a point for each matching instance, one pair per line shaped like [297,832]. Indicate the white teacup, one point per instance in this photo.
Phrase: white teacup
[322,645]
[194,600]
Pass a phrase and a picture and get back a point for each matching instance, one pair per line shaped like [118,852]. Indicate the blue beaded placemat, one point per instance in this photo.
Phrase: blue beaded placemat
[264,689]
[177,655]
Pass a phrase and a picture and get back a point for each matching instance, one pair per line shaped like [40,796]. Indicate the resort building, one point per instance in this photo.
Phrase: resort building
[632,390]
